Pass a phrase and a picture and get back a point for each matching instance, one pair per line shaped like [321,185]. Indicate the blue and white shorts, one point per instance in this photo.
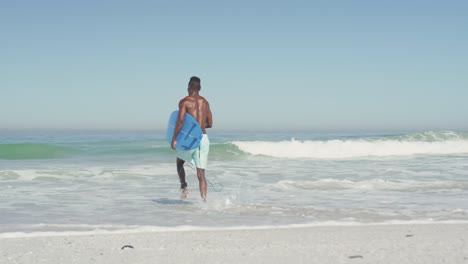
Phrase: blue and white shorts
[198,156]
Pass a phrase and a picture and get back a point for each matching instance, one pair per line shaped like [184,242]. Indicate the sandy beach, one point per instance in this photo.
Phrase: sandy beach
[398,243]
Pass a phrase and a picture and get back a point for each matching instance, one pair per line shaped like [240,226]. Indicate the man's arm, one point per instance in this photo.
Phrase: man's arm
[179,123]
[209,118]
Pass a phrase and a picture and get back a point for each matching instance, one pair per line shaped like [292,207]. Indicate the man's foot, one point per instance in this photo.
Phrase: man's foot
[184,193]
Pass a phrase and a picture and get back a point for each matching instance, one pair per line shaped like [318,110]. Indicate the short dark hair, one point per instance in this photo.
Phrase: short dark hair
[195,79]
[195,82]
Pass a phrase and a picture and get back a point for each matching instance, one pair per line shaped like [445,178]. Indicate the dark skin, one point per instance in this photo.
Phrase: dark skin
[198,107]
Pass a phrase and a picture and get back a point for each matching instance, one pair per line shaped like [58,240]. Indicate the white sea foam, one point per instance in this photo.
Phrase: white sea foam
[28,174]
[342,149]
[374,184]
[99,172]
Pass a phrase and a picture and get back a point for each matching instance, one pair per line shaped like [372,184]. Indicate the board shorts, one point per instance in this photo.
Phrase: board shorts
[198,156]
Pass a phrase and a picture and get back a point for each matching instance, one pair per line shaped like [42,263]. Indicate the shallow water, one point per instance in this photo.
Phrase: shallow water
[96,180]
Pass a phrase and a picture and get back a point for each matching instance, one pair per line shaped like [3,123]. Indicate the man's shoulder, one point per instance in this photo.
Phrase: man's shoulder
[204,99]
[185,99]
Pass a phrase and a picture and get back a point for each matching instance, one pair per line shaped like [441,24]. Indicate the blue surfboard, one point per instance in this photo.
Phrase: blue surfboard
[190,135]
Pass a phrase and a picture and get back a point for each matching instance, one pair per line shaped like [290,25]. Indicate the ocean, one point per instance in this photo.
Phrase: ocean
[84,180]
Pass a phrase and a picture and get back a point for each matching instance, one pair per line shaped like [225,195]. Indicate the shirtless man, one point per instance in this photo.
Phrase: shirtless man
[199,108]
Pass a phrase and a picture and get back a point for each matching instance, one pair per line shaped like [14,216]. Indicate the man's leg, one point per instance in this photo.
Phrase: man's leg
[181,172]
[203,160]
[202,183]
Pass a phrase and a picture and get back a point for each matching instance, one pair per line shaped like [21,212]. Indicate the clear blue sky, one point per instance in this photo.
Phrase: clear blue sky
[300,65]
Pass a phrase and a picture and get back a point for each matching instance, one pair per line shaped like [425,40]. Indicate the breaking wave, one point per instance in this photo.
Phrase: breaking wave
[428,143]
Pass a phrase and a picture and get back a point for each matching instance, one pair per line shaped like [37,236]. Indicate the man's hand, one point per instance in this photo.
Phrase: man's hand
[174,143]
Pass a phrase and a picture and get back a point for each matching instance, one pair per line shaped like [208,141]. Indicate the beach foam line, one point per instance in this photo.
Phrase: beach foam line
[135,229]
[373,184]
[72,172]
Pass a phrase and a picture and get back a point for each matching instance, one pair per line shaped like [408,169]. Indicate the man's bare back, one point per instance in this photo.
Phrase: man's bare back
[198,107]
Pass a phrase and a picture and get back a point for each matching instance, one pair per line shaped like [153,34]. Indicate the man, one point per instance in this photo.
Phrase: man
[199,108]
